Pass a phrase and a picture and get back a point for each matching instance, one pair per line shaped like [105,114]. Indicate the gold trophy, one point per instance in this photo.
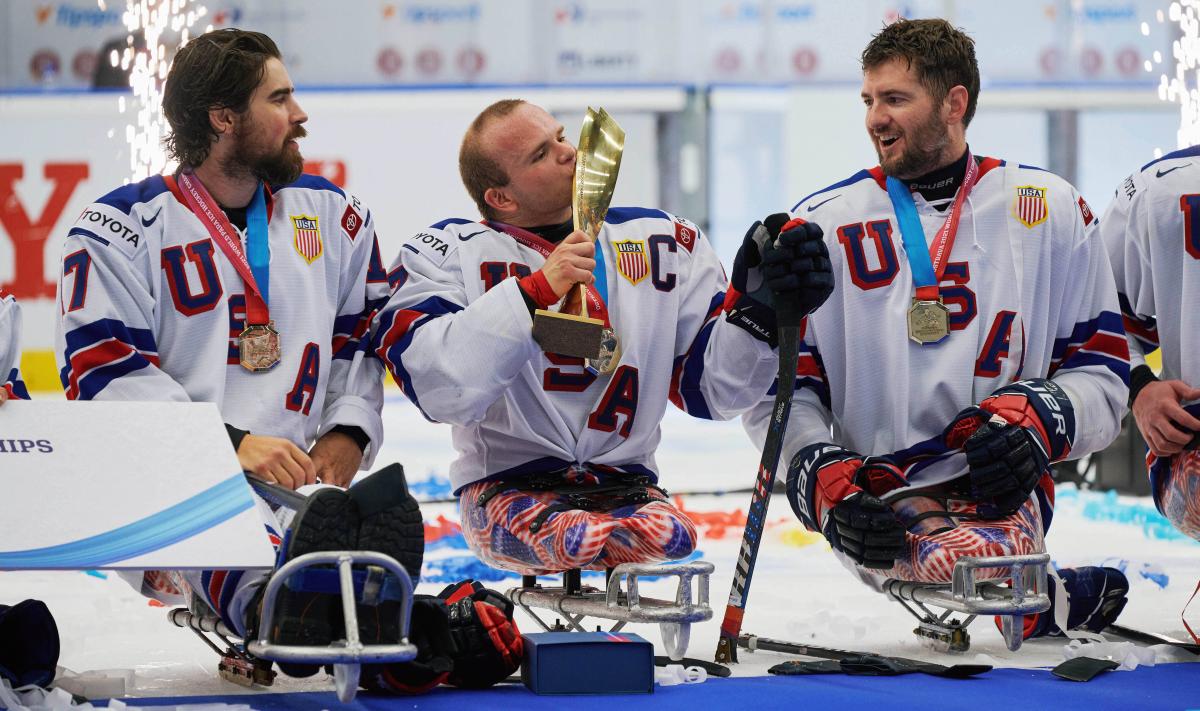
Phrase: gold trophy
[597,161]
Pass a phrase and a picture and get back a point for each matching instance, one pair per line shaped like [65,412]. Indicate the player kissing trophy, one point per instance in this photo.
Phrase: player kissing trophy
[571,331]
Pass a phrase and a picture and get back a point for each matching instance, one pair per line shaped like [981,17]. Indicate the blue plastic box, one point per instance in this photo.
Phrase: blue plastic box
[588,663]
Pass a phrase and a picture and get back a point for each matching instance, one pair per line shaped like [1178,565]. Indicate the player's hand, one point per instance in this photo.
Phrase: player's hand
[336,458]
[3,396]
[1006,462]
[797,269]
[1164,424]
[276,460]
[571,263]
[866,530]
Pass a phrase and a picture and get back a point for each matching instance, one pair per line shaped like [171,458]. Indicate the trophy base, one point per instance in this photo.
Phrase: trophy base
[567,334]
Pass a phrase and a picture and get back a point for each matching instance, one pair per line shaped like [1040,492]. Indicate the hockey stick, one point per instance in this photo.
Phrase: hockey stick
[756,516]
[789,319]
[1150,638]
[863,663]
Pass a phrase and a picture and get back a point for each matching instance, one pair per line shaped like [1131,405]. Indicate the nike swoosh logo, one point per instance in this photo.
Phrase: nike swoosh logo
[147,223]
[1160,173]
[813,207]
[464,238]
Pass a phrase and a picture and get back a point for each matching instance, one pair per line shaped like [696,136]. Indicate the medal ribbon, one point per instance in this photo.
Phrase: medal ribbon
[927,271]
[597,292]
[224,235]
[257,244]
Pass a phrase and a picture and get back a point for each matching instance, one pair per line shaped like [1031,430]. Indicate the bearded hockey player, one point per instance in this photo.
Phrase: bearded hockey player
[555,467]
[972,339]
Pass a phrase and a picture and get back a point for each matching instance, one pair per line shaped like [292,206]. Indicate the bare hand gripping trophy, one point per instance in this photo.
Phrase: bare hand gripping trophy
[597,161]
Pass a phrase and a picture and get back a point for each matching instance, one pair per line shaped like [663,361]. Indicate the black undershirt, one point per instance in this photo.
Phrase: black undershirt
[942,183]
[554,233]
[237,217]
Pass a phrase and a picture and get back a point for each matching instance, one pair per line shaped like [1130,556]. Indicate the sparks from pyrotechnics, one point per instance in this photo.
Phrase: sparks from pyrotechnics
[155,20]
[1182,87]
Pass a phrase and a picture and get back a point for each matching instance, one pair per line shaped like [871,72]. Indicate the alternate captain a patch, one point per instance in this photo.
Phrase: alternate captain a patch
[631,260]
[308,237]
[1031,209]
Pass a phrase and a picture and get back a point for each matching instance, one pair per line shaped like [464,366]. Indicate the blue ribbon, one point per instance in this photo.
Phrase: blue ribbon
[258,250]
[601,283]
[916,249]
[189,517]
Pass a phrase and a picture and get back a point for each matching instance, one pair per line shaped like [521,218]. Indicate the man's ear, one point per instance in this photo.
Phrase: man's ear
[956,103]
[222,120]
[499,200]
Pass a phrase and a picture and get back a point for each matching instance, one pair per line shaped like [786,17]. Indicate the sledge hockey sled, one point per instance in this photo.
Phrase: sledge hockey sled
[968,596]
[248,662]
[621,601]
[379,576]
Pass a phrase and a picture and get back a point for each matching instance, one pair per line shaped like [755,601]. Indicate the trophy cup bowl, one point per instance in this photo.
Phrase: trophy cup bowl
[597,162]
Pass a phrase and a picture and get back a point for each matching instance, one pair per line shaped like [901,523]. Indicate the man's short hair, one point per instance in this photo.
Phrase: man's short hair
[941,55]
[479,170]
[217,70]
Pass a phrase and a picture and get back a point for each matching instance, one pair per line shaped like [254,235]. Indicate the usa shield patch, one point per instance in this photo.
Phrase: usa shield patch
[308,237]
[631,260]
[1031,209]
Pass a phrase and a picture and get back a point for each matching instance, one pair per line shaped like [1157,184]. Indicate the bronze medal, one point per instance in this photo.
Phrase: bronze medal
[928,321]
[258,346]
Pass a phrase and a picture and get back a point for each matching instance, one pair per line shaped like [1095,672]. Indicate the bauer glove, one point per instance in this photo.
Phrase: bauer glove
[1010,439]
[487,643]
[833,490]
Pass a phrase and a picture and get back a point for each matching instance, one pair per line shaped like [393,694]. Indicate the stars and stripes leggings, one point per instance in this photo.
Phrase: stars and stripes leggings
[586,523]
[1175,485]
[934,544]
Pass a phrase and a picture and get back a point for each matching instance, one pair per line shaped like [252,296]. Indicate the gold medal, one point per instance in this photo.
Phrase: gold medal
[928,321]
[258,346]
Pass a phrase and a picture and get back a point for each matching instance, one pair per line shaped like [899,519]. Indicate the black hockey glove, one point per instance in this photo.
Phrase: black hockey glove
[749,303]
[429,630]
[866,530]
[797,268]
[1014,435]
[781,270]
[1005,466]
[487,643]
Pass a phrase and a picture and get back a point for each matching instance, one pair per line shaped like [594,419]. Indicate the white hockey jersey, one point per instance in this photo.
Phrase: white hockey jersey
[152,309]
[10,347]
[1030,294]
[1152,231]
[456,336]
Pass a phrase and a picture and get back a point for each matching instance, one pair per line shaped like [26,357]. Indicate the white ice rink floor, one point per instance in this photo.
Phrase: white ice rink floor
[799,592]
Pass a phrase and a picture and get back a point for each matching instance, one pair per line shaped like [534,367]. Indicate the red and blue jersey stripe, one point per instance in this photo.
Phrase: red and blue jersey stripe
[395,334]
[1098,341]
[685,392]
[102,351]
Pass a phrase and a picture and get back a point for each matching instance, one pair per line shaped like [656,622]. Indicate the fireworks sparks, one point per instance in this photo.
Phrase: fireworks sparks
[155,28]
[1181,86]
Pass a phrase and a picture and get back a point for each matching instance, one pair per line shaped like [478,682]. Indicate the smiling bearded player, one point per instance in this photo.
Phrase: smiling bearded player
[972,339]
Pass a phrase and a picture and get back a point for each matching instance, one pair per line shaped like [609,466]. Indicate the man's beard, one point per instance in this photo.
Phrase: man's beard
[922,153]
[278,167]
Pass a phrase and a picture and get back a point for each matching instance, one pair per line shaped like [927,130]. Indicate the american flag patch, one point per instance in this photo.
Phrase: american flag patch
[631,260]
[1031,209]
[308,237]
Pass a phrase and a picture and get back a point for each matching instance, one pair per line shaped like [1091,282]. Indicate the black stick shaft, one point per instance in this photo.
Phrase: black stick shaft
[756,517]
[275,493]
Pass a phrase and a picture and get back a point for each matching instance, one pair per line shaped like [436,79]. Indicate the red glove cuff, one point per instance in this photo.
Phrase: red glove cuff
[538,288]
